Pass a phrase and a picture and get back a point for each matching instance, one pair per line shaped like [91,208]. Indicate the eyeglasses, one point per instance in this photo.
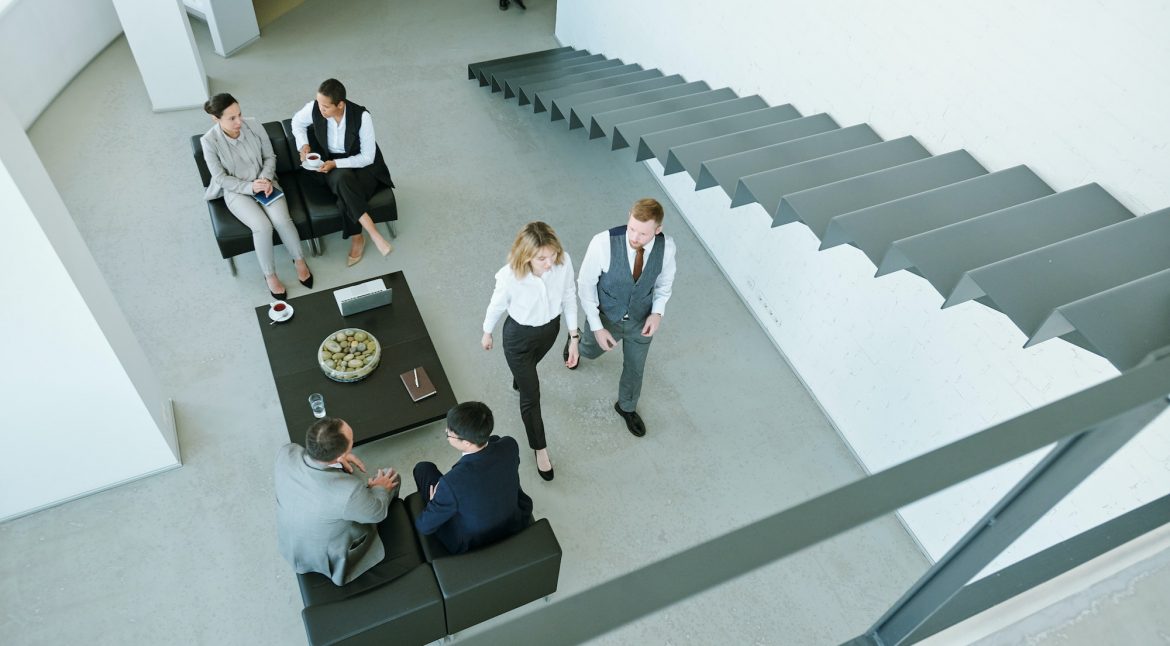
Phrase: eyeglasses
[452,436]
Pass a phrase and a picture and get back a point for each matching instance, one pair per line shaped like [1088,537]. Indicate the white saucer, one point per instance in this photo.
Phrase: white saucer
[305,165]
[278,317]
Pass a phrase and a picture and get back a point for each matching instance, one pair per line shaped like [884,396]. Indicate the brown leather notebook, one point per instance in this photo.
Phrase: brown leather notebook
[418,383]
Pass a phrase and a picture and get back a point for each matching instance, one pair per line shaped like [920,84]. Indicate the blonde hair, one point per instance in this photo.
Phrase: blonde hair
[532,237]
[647,209]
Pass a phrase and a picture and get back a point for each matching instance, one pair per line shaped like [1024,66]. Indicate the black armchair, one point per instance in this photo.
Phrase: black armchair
[492,580]
[324,216]
[232,236]
[407,609]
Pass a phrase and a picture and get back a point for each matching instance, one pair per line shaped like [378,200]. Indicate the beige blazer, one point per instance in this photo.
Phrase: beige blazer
[326,518]
[235,166]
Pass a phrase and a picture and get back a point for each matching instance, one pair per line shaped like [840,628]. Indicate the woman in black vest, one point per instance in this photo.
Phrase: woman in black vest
[353,168]
[535,288]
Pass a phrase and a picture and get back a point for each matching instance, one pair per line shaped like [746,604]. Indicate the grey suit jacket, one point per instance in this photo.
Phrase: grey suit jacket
[325,517]
[235,166]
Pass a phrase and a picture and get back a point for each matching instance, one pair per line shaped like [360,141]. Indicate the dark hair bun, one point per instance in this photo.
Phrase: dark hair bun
[218,103]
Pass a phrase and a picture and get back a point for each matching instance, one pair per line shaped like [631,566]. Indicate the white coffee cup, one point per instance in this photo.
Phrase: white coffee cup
[313,160]
[279,310]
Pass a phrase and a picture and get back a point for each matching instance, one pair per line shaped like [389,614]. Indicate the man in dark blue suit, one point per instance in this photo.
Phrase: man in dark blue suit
[479,501]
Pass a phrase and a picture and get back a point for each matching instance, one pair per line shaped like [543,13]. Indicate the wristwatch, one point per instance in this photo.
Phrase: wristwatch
[575,334]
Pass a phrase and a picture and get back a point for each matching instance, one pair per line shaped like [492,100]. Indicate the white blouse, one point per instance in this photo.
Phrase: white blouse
[534,300]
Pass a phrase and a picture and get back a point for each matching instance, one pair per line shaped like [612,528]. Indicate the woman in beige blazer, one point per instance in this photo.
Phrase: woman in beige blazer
[242,164]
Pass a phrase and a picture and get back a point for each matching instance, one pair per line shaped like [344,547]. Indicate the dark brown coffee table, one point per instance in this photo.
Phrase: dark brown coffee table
[378,405]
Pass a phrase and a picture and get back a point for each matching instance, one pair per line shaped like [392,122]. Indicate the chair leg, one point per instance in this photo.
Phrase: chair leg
[232,264]
[320,244]
[390,228]
[313,247]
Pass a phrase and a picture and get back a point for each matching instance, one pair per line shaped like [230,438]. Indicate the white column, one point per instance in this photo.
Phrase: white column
[164,49]
[81,407]
[232,24]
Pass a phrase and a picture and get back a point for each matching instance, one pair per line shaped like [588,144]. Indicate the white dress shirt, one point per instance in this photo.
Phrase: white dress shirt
[534,300]
[335,137]
[597,261]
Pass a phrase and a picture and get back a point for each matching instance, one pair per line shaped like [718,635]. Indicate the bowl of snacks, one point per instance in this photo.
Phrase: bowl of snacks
[349,355]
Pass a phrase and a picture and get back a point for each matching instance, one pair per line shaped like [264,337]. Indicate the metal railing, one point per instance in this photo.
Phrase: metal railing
[1086,429]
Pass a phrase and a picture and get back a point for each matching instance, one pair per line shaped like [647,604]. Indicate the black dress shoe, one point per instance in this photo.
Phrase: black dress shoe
[633,421]
[544,475]
[308,282]
[520,3]
[515,386]
[565,354]
[503,5]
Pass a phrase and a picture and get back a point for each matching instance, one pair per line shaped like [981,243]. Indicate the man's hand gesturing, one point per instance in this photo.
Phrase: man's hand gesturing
[386,478]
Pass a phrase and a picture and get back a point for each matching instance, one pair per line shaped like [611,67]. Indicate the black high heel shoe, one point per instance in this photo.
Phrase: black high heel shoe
[544,475]
[279,297]
[308,282]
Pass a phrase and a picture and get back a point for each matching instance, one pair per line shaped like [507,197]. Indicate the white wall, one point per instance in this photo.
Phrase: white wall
[82,409]
[1071,89]
[44,44]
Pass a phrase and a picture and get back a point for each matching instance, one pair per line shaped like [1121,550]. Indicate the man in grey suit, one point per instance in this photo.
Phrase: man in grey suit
[326,514]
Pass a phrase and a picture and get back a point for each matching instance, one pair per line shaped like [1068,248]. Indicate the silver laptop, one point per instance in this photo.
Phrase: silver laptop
[363,296]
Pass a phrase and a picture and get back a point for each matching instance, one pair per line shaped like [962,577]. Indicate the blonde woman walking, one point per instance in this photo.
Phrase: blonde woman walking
[535,289]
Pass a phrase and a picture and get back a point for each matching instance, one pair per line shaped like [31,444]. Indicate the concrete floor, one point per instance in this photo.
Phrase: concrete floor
[189,557]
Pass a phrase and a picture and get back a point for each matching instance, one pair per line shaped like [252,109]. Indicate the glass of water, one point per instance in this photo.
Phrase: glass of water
[317,403]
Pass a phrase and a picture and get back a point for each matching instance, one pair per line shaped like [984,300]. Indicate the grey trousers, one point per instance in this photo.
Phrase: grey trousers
[261,220]
[634,348]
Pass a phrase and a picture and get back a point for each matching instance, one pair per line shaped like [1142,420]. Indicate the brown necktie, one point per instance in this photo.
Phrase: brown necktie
[638,264]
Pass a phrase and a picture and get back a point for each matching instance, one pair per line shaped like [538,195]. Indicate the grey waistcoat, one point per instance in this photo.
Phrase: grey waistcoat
[617,293]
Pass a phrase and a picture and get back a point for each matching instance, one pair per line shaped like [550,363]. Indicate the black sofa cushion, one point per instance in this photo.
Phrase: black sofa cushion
[492,580]
[407,611]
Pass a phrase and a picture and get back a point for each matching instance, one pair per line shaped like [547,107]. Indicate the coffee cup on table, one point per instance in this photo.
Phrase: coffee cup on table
[313,161]
[279,311]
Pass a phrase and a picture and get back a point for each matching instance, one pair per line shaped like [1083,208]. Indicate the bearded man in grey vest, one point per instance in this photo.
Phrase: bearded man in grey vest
[624,283]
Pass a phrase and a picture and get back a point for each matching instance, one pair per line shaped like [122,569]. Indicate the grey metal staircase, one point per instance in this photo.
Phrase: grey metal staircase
[1074,264]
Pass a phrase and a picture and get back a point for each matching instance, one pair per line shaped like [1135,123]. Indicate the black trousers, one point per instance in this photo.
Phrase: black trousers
[353,187]
[524,347]
[425,475]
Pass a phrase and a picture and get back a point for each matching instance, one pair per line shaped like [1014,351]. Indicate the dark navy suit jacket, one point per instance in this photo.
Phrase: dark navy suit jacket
[479,501]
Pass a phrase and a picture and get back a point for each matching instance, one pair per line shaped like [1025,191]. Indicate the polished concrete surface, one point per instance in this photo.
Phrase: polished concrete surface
[189,557]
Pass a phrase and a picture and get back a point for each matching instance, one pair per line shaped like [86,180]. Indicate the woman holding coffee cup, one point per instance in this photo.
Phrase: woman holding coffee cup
[335,137]
[243,166]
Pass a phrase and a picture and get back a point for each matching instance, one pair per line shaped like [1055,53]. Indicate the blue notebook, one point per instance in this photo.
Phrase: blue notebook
[267,200]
